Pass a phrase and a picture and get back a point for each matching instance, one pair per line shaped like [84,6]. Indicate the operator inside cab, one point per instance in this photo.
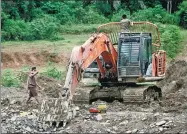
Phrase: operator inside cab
[149,69]
[125,23]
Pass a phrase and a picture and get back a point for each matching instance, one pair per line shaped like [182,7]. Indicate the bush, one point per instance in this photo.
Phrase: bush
[64,11]
[171,39]
[67,15]
[53,72]
[156,14]
[46,27]
[72,14]
[91,16]
[23,74]
[16,30]
[9,79]
[103,7]
[37,13]
[52,7]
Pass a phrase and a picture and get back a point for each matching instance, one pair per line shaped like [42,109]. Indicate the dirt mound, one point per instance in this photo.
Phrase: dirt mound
[51,87]
[18,59]
[174,86]
[176,70]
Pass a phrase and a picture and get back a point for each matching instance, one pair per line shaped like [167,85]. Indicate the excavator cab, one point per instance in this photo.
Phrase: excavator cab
[134,55]
[139,56]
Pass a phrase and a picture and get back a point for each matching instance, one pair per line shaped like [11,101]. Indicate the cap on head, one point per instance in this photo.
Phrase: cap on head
[124,16]
[33,68]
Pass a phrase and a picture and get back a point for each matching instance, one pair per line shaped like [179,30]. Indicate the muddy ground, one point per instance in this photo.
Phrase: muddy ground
[169,117]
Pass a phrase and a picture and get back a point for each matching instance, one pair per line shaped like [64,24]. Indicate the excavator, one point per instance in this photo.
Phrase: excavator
[129,63]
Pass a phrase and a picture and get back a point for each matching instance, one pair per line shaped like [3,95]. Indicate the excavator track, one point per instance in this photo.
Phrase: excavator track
[124,93]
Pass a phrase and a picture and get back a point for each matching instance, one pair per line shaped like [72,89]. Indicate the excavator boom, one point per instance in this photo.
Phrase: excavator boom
[81,57]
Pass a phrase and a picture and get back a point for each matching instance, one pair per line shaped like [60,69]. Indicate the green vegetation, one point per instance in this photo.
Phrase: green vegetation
[69,41]
[53,72]
[184,33]
[78,29]
[22,74]
[182,12]
[156,14]
[41,28]
[9,79]
[171,38]
[38,20]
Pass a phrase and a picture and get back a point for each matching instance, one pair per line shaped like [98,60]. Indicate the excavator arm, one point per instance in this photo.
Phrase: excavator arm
[81,57]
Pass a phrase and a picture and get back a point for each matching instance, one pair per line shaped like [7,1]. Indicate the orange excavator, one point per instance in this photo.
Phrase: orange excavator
[129,60]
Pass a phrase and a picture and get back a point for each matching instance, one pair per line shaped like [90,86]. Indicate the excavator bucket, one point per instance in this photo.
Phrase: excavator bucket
[56,112]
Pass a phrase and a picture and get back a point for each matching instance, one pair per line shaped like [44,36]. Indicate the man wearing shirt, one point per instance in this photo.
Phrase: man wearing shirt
[125,23]
[32,84]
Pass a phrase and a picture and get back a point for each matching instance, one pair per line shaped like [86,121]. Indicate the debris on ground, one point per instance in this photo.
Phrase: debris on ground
[169,117]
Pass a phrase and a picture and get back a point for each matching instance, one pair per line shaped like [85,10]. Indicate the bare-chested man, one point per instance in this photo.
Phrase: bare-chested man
[32,84]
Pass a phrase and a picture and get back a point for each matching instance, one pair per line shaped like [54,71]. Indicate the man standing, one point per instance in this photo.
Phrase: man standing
[125,23]
[32,84]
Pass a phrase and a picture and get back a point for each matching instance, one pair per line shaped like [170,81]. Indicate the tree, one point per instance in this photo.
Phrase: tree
[131,5]
[86,2]
[182,12]
[170,5]
[111,2]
